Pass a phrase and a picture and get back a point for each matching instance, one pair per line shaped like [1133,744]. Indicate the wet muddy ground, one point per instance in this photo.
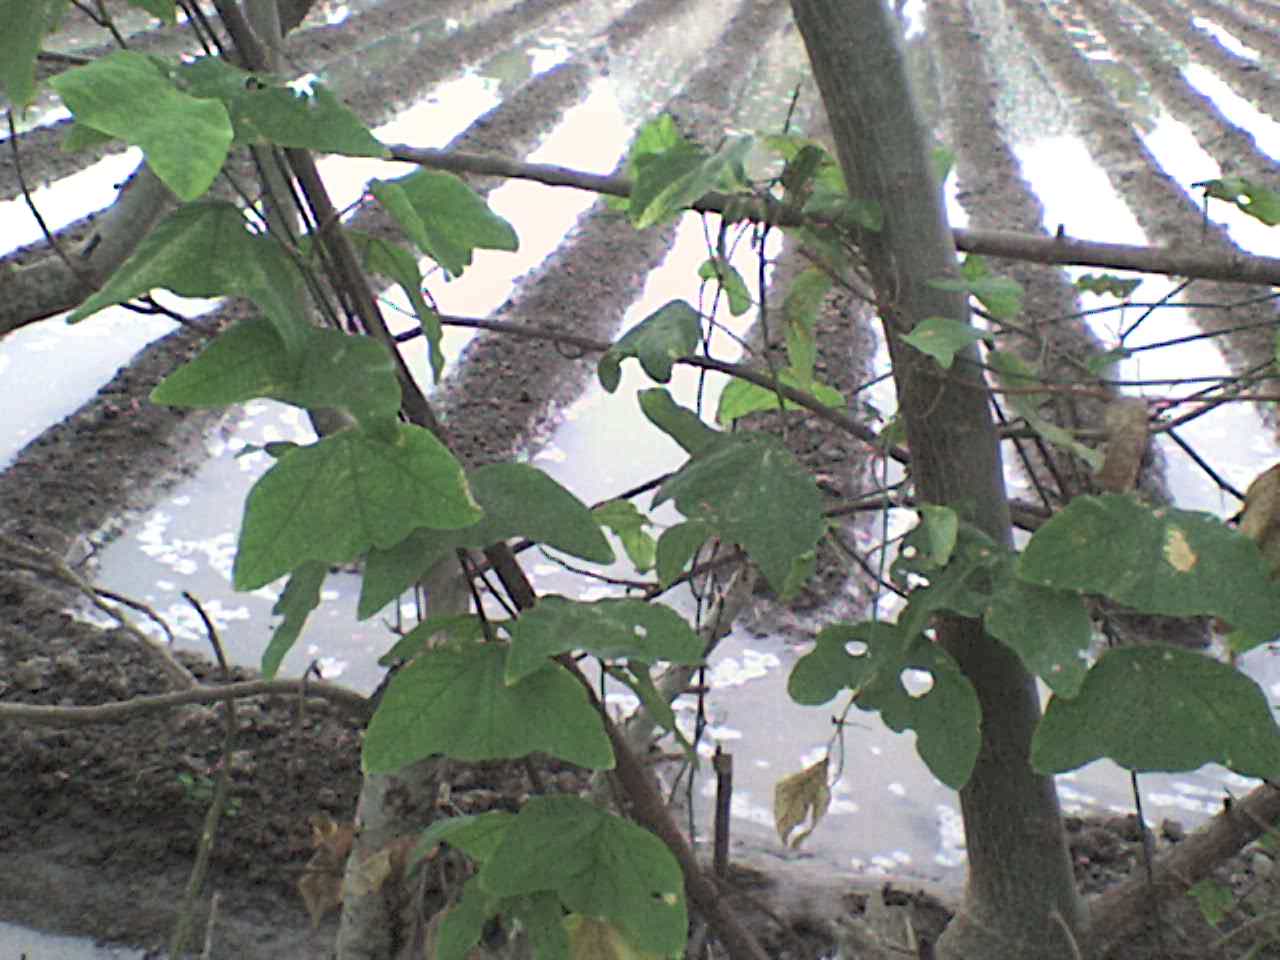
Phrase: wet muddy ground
[99,822]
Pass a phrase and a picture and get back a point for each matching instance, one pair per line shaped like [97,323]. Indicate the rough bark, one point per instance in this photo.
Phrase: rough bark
[1020,898]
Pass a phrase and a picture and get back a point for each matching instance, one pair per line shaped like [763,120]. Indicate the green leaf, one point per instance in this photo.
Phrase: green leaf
[599,865]
[804,299]
[1258,201]
[629,524]
[1108,285]
[941,527]
[1001,296]
[975,570]
[740,397]
[668,182]
[611,629]
[677,547]
[289,117]
[1155,560]
[445,218]
[735,288]
[460,628]
[751,490]
[454,701]
[1160,708]
[205,250]
[351,491]
[1049,629]
[301,595]
[380,255]
[26,23]
[638,678]
[329,369]
[127,95]
[1215,900]
[160,9]
[478,835]
[669,333]
[679,423]
[462,925]
[522,501]
[945,718]
[1014,373]
[942,339]
[518,501]
[849,212]
[943,159]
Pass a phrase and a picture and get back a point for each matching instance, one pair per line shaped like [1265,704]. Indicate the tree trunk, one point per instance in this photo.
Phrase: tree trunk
[1020,899]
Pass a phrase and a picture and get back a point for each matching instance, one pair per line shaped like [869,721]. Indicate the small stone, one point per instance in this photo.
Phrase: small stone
[1173,831]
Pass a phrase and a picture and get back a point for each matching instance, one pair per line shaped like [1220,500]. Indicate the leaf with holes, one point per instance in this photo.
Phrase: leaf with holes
[610,629]
[945,718]
[1160,708]
[751,490]
[455,701]
[1155,560]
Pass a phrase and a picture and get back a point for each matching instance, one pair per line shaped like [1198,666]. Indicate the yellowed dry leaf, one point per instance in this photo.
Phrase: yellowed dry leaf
[1260,519]
[1127,435]
[378,869]
[800,797]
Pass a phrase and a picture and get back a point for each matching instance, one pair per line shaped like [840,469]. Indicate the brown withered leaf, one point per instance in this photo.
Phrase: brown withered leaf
[382,867]
[1127,435]
[799,797]
[321,880]
[1260,518]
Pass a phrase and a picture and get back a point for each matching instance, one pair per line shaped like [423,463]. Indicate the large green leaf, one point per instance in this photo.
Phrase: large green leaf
[331,369]
[26,22]
[335,499]
[1160,708]
[518,501]
[454,701]
[444,217]
[301,595]
[612,629]
[127,95]
[751,490]
[205,250]
[1049,629]
[945,718]
[669,333]
[599,865]
[1155,560]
